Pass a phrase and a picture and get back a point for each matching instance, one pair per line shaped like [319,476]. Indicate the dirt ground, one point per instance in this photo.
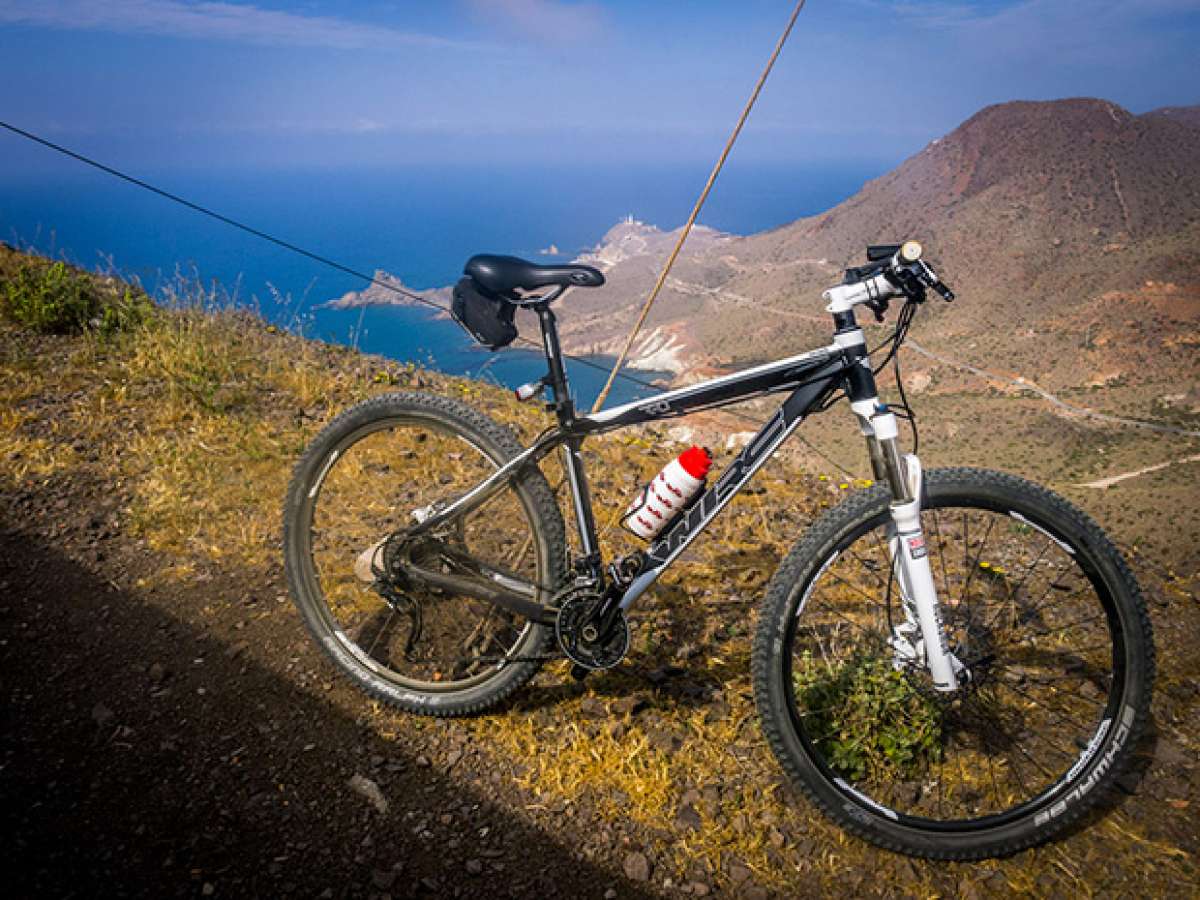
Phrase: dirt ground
[144,756]
[169,729]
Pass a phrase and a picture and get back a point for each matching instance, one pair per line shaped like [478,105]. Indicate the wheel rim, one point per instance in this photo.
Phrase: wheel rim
[1028,615]
[367,487]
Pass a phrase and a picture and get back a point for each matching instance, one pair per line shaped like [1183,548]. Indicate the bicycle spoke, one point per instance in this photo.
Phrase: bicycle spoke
[379,634]
[1060,715]
[857,589]
[1072,651]
[977,700]
[1053,678]
[842,616]
[868,568]
[1033,566]
[966,544]
[1041,600]
[974,567]
[1036,612]
[1058,629]
[992,774]
[941,767]
[974,705]
[937,530]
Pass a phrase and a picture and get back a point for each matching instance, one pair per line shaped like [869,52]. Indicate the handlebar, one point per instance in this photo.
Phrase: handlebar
[880,252]
[943,291]
[893,270]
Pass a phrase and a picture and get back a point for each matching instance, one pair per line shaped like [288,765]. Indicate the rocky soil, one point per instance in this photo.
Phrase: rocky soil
[145,754]
[169,729]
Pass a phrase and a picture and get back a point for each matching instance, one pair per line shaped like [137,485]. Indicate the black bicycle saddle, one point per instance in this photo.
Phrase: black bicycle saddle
[506,274]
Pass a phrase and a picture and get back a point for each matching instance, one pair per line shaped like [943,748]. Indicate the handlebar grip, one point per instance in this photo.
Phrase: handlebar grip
[945,292]
[908,252]
[880,252]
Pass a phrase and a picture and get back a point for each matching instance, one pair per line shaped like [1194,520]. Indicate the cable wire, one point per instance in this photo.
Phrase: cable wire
[279,242]
[687,229]
[341,267]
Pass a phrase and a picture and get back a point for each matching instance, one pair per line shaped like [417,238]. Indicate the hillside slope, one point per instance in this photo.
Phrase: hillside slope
[172,731]
[1033,211]
[1070,230]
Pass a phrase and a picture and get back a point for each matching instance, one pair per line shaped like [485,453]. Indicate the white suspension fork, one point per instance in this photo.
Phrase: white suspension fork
[910,560]
[921,637]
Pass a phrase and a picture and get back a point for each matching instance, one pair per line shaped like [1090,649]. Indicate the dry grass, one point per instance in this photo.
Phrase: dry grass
[197,417]
[30,458]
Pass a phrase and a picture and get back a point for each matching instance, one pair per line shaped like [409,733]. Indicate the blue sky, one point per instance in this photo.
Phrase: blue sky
[176,84]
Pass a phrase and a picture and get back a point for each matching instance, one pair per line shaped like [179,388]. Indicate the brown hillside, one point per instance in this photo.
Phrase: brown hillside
[1188,115]
[1031,209]
[1044,172]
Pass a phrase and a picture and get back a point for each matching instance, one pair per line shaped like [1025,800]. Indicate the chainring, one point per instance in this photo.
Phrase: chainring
[575,610]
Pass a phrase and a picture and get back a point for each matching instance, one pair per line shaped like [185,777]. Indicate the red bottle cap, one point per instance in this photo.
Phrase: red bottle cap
[696,461]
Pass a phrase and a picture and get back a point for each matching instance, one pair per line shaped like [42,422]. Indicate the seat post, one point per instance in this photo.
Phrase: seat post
[564,406]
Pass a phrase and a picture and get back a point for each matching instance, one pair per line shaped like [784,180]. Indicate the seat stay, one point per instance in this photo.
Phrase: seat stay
[494,483]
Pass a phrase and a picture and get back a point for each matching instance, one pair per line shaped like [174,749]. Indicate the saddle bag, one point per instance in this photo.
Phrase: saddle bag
[487,318]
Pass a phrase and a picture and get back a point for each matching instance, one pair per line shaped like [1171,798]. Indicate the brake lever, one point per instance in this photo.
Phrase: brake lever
[912,285]
[879,307]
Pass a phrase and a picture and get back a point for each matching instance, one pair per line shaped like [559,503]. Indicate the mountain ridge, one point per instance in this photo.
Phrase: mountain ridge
[1030,208]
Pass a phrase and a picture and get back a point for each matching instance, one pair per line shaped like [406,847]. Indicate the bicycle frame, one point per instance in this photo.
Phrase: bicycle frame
[812,378]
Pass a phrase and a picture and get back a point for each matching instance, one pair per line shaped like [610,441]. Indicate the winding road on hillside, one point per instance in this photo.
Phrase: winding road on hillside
[1105,483]
[1025,384]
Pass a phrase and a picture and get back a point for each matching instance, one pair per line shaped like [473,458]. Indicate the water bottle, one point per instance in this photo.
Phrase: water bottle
[666,496]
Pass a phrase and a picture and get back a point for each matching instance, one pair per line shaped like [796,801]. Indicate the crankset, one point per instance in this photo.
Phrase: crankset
[579,634]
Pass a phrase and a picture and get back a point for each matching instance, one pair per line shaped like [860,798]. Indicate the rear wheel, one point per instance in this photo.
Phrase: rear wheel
[1046,617]
[371,474]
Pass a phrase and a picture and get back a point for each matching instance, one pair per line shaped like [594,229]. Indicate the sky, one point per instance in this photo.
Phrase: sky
[183,84]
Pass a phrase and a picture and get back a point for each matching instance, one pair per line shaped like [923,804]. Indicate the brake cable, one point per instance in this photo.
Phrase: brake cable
[903,409]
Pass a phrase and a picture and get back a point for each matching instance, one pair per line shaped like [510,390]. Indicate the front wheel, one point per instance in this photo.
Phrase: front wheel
[1049,623]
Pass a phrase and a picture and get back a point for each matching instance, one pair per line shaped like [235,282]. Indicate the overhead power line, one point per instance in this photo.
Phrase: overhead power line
[175,198]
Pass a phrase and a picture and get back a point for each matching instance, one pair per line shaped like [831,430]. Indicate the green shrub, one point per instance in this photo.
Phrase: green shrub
[56,299]
[868,720]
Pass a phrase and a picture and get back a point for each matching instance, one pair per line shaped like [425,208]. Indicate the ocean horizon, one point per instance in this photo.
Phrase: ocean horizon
[419,223]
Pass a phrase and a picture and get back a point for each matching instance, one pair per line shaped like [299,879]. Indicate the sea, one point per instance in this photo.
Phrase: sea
[420,223]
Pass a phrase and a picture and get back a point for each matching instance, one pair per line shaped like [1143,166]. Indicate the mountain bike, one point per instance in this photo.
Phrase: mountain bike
[954,663]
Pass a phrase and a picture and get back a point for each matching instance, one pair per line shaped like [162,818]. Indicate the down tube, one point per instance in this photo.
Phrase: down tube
[712,501]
